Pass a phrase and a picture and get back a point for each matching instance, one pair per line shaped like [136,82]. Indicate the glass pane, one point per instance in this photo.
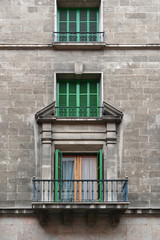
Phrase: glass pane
[72,87]
[62,88]
[72,15]
[83,87]
[93,87]
[83,100]
[72,100]
[93,15]
[83,15]
[63,27]
[93,27]
[63,15]
[62,101]
[89,173]
[68,174]
[83,27]
[93,100]
[72,27]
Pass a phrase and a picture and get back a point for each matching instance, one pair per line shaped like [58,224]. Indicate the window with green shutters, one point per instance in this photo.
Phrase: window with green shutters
[78,25]
[78,98]
[71,173]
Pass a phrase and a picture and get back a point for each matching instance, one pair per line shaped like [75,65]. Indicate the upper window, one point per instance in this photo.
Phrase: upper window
[78,25]
[78,98]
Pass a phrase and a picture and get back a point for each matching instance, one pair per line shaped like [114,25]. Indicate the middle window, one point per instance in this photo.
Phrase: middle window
[78,98]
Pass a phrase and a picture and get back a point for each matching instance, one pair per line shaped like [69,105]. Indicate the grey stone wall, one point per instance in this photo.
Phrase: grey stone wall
[125,21]
[26,21]
[130,228]
[131,83]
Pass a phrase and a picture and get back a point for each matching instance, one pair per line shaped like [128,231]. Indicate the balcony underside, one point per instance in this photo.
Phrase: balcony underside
[80,207]
[79,45]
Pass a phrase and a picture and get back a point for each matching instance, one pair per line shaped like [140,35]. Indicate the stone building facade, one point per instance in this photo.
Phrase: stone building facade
[123,125]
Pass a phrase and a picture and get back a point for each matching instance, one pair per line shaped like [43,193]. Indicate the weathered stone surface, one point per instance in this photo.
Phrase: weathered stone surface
[131,83]
[130,228]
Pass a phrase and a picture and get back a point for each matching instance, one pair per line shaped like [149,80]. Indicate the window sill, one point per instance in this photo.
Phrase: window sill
[79,45]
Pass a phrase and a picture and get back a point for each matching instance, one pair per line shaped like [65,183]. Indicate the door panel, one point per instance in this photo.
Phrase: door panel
[68,174]
[79,168]
[88,173]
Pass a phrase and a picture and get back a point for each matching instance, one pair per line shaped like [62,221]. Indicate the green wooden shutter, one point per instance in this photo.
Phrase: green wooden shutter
[72,99]
[62,24]
[94,98]
[83,99]
[100,175]
[78,20]
[83,25]
[58,176]
[93,24]
[72,25]
[78,98]
[62,99]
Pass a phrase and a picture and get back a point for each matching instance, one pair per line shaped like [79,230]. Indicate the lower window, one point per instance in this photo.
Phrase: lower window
[78,177]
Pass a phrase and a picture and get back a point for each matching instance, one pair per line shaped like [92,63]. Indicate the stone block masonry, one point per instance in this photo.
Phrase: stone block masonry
[130,83]
[130,228]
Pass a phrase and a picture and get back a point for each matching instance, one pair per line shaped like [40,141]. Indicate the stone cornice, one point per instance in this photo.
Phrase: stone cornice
[128,211]
[107,46]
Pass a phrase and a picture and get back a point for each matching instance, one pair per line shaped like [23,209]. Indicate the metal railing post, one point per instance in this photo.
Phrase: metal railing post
[126,189]
[33,180]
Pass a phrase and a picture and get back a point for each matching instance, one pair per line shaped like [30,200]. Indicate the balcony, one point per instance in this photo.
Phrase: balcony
[79,40]
[82,112]
[80,194]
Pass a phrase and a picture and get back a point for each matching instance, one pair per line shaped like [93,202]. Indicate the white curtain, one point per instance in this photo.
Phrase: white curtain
[68,174]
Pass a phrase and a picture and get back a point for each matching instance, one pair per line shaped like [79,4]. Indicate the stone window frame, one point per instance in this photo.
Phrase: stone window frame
[78,4]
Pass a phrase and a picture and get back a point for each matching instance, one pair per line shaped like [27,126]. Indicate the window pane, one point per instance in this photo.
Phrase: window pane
[63,15]
[72,100]
[72,87]
[62,101]
[72,27]
[83,15]
[72,15]
[93,27]
[62,88]
[83,100]
[83,27]
[63,27]
[93,100]
[93,87]
[83,88]
[93,15]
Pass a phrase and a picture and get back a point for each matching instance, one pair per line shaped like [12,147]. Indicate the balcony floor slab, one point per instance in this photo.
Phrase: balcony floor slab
[79,45]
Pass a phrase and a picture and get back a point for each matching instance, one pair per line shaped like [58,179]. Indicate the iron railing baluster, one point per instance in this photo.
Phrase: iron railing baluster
[112,190]
[78,36]
[43,191]
[38,190]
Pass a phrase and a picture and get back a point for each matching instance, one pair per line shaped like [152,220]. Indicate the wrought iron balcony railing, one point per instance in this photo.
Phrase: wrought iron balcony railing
[80,190]
[79,111]
[78,37]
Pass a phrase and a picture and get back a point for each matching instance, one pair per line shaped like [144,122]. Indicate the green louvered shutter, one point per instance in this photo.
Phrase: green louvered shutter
[62,99]
[58,176]
[72,99]
[83,99]
[94,99]
[62,24]
[93,25]
[72,25]
[83,25]
[100,175]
